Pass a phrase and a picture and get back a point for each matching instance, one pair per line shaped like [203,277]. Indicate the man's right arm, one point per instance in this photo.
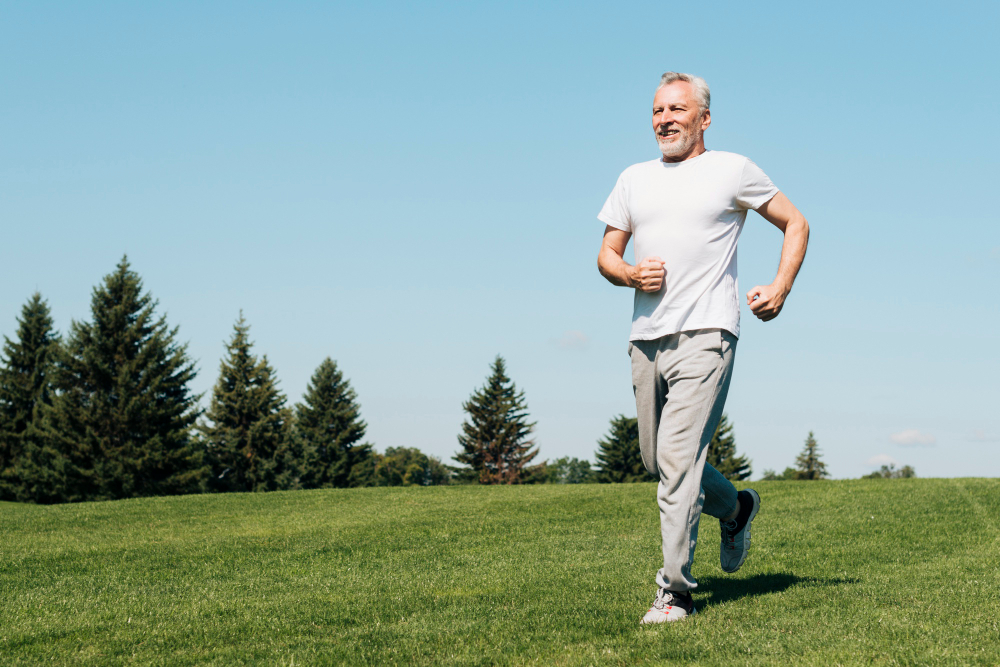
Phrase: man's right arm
[647,276]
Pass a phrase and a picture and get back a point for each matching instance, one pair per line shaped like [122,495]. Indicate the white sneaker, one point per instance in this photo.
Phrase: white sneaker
[669,606]
[736,533]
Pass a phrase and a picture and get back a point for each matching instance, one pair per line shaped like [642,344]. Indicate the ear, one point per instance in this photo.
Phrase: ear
[706,119]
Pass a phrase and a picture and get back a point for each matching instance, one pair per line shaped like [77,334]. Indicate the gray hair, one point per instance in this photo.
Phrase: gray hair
[701,91]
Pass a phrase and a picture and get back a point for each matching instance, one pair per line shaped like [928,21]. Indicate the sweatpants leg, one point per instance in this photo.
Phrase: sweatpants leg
[680,383]
[720,494]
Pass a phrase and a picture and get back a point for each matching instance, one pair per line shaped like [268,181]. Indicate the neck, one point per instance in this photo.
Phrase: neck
[695,151]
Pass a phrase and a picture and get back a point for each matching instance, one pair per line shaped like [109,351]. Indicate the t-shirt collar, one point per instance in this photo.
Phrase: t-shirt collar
[682,162]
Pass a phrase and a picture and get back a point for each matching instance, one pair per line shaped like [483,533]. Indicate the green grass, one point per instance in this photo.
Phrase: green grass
[883,572]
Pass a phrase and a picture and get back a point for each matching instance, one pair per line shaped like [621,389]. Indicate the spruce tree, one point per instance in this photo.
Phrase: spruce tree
[722,453]
[26,368]
[247,428]
[494,438]
[808,463]
[123,412]
[619,458]
[329,425]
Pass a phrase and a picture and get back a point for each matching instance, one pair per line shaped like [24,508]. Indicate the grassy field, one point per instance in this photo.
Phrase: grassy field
[847,572]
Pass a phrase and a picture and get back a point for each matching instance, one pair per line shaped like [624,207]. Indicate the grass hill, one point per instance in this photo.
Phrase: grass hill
[846,572]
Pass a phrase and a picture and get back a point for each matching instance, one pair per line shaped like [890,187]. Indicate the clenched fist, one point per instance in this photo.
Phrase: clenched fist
[648,274]
[766,301]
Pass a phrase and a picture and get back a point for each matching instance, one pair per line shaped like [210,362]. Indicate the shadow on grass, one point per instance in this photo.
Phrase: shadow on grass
[716,590]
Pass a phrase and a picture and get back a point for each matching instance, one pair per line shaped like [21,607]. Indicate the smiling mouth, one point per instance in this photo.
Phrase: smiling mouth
[668,133]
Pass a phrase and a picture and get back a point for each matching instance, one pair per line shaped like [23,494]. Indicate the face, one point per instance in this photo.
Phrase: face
[678,120]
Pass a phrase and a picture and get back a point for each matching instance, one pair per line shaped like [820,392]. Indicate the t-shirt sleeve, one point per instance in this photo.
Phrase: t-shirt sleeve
[615,211]
[756,189]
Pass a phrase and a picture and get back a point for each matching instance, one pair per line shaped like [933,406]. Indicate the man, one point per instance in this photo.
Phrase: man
[686,211]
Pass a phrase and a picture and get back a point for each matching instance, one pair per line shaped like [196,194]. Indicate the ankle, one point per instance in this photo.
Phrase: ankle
[732,515]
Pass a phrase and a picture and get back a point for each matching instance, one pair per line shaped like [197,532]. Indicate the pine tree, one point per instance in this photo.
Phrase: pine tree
[722,453]
[26,368]
[494,438]
[247,428]
[328,423]
[123,412]
[808,463]
[619,457]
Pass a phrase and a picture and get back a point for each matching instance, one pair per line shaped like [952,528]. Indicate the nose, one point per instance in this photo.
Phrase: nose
[663,118]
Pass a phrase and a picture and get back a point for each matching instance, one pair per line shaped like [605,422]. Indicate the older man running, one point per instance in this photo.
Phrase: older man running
[686,211]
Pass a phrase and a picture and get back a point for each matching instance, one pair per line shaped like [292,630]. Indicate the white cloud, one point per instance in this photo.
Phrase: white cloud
[880,460]
[911,437]
[980,435]
[572,340]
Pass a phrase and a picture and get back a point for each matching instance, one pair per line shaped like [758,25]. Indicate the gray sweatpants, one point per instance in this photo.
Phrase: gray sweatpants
[680,384]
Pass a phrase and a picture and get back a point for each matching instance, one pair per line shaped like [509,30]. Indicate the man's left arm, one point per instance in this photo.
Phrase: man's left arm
[766,300]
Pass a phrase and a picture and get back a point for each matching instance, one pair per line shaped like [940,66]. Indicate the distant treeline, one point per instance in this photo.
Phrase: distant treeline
[107,412]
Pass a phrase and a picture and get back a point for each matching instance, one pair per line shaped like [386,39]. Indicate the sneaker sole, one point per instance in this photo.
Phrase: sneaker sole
[753,514]
[694,610]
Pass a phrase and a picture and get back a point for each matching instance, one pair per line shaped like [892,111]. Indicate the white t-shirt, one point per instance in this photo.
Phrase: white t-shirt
[690,214]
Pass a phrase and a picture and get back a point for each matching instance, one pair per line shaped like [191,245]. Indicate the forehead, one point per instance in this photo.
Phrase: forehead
[676,92]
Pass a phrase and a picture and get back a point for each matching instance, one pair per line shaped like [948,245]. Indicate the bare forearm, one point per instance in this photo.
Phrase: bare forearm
[766,301]
[793,251]
[647,276]
[615,269]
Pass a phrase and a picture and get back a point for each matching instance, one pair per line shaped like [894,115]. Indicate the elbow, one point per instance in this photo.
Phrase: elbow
[604,268]
[600,264]
[600,269]
[802,227]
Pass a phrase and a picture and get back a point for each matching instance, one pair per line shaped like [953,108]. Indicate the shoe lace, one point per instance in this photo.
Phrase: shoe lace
[664,599]
[728,531]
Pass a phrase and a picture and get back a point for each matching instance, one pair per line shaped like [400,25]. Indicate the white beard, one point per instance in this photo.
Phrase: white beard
[679,145]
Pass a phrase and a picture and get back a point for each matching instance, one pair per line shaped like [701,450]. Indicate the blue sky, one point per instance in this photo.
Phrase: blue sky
[413,189]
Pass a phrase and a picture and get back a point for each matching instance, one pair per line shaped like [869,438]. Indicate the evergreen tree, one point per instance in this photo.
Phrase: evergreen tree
[123,412]
[618,456]
[328,422]
[26,368]
[494,439]
[808,463]
[247,428]
[43,471]
[722,453]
